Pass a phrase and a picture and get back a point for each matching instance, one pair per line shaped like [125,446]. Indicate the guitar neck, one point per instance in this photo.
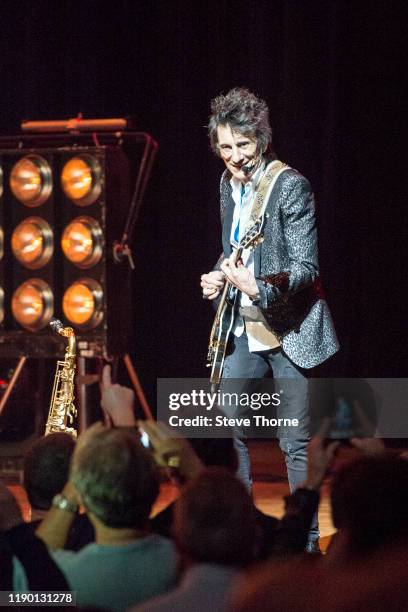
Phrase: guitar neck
[223,298]
[225,290]
[239,253]
[224,318]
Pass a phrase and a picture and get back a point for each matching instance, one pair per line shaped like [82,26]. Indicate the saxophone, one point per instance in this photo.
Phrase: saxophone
[62,409]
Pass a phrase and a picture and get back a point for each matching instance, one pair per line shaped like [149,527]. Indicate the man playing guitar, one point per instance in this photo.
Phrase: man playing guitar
[282,322]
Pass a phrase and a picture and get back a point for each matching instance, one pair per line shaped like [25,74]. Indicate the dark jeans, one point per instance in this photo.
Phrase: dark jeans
[243,365]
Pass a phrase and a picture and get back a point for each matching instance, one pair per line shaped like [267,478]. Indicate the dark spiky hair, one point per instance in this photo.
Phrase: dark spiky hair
[244,112]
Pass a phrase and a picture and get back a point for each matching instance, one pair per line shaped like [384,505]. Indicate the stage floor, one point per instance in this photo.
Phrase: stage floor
[270,487]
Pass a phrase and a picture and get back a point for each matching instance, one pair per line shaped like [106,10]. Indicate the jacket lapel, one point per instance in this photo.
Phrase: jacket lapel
[226,230]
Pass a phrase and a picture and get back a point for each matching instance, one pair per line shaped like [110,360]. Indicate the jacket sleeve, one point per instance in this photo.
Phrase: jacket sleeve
[299,241]
[219,262]
[225,191]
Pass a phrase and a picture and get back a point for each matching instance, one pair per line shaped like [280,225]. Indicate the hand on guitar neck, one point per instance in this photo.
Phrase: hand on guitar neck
[239,276]
[235,272]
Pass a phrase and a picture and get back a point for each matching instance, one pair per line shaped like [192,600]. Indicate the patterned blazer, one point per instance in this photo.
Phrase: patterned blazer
[286,269]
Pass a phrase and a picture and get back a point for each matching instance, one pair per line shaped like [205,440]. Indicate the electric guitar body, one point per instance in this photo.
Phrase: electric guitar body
[227,308]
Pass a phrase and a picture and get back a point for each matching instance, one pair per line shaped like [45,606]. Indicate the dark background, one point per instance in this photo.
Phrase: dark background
[332,74]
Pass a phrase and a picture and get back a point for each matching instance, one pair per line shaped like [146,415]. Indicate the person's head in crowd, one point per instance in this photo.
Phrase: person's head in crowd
[116,478]
[46,468]
[377,583]
[213,520]
[216,452]
[10,511]
[369,499]
[212,452]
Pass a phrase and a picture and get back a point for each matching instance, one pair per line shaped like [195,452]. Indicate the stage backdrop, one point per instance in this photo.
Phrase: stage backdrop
[331,73]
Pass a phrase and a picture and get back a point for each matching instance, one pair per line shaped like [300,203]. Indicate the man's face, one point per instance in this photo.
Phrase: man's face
[237,150]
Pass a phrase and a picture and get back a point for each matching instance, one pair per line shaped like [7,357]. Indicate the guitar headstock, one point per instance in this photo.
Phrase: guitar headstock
[254,234]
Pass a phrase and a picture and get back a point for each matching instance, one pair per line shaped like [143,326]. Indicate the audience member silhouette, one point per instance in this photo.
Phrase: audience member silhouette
[116,481]
[369,498]
[214,531]
[46,471]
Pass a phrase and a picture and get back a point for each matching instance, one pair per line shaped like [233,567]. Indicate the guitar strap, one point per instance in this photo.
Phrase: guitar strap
[264,189]
[256,328]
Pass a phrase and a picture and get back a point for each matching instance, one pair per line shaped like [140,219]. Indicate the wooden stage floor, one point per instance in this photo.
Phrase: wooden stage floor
[270,487]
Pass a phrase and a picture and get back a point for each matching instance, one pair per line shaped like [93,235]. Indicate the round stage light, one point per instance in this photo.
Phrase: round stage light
[82,242]
[1,243]
[32,304]
[31,180]
[82,303]
[32,243]
[81,179]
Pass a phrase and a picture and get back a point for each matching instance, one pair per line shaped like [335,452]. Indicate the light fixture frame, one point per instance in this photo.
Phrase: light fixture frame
[126,160]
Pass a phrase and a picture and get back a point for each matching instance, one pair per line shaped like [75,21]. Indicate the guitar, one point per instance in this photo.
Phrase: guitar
[227,308]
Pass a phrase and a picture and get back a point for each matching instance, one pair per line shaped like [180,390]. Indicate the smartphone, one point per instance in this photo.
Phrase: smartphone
[342,421]
[343,408]
[144,438]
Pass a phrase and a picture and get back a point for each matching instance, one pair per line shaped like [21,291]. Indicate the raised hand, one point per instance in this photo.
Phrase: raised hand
[171,452]
[116,401]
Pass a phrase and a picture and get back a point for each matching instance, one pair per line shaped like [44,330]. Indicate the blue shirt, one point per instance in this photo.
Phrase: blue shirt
[115,577]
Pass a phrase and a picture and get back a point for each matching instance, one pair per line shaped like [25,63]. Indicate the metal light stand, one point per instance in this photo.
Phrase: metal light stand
[122,252]
[12,383]
[48,132]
